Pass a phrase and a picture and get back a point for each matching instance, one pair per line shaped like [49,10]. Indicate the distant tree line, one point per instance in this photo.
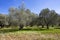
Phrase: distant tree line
[24,17]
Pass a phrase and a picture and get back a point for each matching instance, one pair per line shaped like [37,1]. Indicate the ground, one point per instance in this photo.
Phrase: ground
[29,34]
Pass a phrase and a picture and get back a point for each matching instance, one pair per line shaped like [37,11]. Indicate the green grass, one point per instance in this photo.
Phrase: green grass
[30,29]
[33,33]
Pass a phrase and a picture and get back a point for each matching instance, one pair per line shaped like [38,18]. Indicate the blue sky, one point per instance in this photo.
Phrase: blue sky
[34,5]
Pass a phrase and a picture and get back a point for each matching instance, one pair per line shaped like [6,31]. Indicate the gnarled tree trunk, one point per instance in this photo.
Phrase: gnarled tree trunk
[21,26]
[42,26]
[47,26]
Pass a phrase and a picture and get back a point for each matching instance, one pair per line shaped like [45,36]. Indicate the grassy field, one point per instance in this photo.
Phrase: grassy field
[29,33]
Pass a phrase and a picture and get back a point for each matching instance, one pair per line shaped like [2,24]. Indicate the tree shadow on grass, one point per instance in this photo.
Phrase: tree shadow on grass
[39,29]
[26,29]
[8,30]
[57,28]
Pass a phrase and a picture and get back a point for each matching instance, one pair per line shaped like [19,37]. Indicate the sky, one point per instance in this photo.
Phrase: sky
[34,5]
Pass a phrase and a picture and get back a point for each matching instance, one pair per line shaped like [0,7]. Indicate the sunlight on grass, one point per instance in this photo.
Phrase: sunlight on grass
[29,30]
[33,33]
